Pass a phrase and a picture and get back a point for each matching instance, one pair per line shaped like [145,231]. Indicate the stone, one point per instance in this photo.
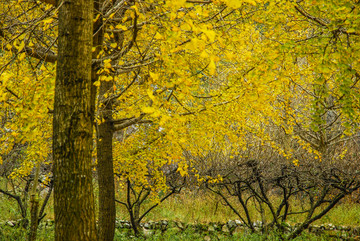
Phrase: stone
[148,232]
[239,223]
[207,238]
[231,224]
[180,225]
[147,226]
[211,228]
[239,229]
[127,225]
[10,223]
[225,229]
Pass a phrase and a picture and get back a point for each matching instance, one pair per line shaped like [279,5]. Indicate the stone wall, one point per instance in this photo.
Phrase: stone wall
[231,227]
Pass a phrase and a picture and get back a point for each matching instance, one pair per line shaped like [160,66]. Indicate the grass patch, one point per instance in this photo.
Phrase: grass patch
[187,207]
[8,233]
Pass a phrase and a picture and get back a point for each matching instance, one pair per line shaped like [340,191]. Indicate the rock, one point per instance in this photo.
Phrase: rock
[239,223]
[148,232]
[258,224]
[225,229]
[211,228]
[127,225]
[330,226]
[207,238]
[10,223]
[147,226]
[180,225]
[231,224]
[164,223]
[239,229]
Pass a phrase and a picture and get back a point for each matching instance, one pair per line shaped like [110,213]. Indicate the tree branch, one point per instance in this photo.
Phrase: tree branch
[52,2]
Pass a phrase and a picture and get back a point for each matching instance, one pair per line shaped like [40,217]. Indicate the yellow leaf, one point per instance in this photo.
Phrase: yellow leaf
[21,46]
[107,63]
[158,36]
[8,46]
[212,67]
[150,94]
[22,56]
[252,2]
[113,45]
[204,54]
[148,109]
[121,27]
[97,83]
[175,29]
[136,9]
[154,76]
[234,3]
[210,34]
[176,4]
[46,21]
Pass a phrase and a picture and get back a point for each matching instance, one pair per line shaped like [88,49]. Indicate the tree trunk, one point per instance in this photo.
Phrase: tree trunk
[107,212]
[34,217]
[34,204]
[105,169]
[72,124]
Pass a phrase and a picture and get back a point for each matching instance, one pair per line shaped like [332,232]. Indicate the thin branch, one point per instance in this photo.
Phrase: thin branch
[129,122]
[315,19]
[157,204]
[126,88]
[120,202]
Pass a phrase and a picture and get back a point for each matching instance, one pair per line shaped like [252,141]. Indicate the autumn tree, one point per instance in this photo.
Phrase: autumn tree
[200,74]
[73,125]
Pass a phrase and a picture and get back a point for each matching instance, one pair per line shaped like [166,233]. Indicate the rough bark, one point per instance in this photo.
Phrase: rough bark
[72,124]
[105,169]
[107,212]
[34,218]
[34,200]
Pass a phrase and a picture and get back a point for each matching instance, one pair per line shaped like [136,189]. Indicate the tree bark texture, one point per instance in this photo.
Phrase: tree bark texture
[107,212]
[73,124]
[105,169]
[34,218]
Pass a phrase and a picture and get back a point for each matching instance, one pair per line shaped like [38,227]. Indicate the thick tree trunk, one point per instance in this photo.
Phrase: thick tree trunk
[105,169]
[73,126]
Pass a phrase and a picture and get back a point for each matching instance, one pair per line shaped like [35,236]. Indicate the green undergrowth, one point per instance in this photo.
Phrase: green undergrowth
[8,233]
[208,236]
[18,234]
[187,207]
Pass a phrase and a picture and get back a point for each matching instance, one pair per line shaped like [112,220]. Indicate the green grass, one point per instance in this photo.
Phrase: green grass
[197,236]
[206,208]
[8,233]
[187,207]
[18,234]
